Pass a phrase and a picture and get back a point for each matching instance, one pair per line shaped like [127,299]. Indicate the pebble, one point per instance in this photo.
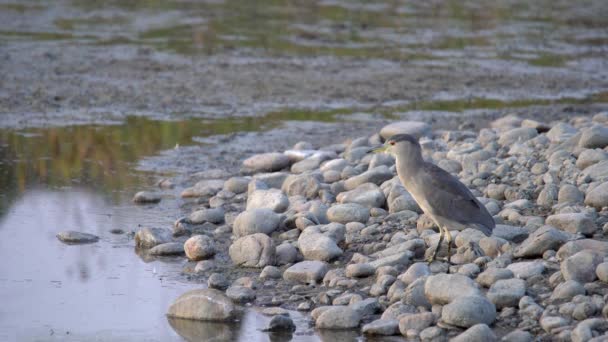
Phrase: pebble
[345,213]
[466,311]
[445,288]
[146,197]
[575,223]
[590,157]
[518,336]
[74,237]
[267,162]
[492,275]
[360,270]
[598,197]
[309,272]
[377,176]
[383,327]
[507,292]
[417,322]
[581,266]
[240,294]
[273,199]
[367,194]
[256,221]
[256,250]
[338,317]
[477,333]
[199,247]
[307,185]
[150,237]
[204,305]
[270,272]
[218,281]
[169,248]
[237,185]
[285,254]
[316,246]
[215,215]
[526,269]
[540,241]
[567,290]
[416,271]
[594,137]
[602,272]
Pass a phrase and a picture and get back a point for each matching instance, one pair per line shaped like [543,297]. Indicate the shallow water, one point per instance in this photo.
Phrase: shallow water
[95,93]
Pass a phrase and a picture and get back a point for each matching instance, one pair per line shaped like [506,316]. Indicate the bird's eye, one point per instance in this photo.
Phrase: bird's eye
[391,142]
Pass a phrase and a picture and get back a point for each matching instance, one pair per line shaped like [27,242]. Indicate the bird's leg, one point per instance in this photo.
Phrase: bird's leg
[449,240]
[434,256]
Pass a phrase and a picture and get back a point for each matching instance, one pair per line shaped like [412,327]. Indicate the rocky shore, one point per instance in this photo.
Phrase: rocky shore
[331,231]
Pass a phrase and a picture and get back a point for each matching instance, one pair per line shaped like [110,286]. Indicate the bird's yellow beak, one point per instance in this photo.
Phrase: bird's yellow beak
[381,149]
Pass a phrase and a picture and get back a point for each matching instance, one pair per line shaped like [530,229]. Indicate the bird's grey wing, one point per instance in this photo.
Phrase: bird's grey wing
[451,199]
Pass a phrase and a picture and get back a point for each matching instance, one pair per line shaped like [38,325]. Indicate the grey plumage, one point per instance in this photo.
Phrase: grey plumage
[440,195]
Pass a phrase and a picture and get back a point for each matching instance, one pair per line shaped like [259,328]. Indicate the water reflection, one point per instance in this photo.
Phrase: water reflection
[198,331]
[49,287]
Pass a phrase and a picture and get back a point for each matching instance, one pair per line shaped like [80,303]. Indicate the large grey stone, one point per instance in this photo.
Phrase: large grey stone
[526,269]
[199,247]
[169,248]
[415,128]
[510,233]
[368,195]
[581,266]
[306,272]
[150,237]
[383,327]
[597,172]
[477,333]
[255,221]
[444,288]
[507,292]
[267,162]
[74,237]
[307,185]
[589,157]
[467,311]
[273,199]
[541,240]
[517,135]
[594,137]
[567,290]
[256,250]
[598,197]
[345,213]
[147,197]
[376,175]
[214,215]
[492,275]
[316,246]
[574,223]
[418,322]
[573,247]
[204,305]
[338,317]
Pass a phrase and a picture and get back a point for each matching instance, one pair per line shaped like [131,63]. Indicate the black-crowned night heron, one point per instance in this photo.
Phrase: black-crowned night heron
[448,202]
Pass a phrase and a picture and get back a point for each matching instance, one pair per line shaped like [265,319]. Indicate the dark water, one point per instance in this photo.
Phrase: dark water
[78,171]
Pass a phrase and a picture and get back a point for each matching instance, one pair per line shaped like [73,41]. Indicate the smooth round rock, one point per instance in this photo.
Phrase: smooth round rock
[256,250]
[203,305]
[468,311]
[74,237]
[199,247]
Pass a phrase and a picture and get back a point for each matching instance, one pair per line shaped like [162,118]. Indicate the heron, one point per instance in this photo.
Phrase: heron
[448,202]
